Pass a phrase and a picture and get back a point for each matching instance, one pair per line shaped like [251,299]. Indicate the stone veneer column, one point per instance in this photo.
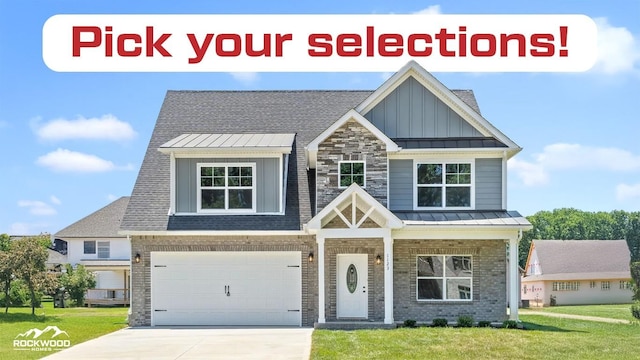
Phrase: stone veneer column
[321,317]
[388,279]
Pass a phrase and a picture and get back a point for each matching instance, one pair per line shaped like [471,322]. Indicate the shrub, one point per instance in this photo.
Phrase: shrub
[510,324]
[410,323]
[484,323]
[635,310]
[552,300]
[465,321]
[18,294]
[440,322]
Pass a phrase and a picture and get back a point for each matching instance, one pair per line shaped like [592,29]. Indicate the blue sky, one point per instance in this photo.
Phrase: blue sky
[73,142]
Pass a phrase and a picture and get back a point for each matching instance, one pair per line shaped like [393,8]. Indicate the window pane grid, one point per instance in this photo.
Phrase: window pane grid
[351,172]
[444,277]
[224,187]
[448,188]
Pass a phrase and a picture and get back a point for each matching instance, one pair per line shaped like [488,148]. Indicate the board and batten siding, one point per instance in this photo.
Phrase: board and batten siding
[267,180]
[412,111]
[488,184]
[400,184]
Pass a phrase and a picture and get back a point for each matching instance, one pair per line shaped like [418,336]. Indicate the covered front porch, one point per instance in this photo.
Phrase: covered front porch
[113,279]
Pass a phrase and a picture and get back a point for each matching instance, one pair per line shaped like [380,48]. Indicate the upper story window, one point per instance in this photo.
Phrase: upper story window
[444,185]
[351,172]
[226,187]
[103,250]
[90,247]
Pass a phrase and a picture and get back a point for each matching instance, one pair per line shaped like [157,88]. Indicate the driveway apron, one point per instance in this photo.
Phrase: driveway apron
[195,343]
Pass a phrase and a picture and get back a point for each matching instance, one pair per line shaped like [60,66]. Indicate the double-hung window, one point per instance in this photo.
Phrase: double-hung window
[443,185]
[226,187]
[350,172]
[103,249]
[89,246]
[444,277]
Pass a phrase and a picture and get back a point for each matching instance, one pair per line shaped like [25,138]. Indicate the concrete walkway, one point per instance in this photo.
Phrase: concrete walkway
[576,317]
[195,343]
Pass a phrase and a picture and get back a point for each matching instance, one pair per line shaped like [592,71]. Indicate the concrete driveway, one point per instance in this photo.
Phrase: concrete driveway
[195,343]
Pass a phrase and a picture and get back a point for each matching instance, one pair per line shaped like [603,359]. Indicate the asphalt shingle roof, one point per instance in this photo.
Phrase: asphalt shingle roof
[102,223]
[582,256]
[307,113]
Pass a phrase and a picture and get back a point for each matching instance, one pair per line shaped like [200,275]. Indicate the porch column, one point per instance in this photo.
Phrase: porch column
[513,279]
[320,256]
[388,279]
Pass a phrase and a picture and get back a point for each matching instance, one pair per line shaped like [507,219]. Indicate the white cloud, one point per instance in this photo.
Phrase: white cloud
[108,127]
[37,207]
[558,157]
[618,49]
[245,77]
[431,10]
[20,228]
[531,174]
[55,200]
[63,160]
[626,192]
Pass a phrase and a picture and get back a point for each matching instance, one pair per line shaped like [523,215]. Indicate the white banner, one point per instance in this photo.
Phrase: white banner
[318,43]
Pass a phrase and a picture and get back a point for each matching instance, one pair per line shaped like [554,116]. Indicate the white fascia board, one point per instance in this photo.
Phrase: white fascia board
[214,233]
[225,154]
[443,93]
[451,152]
[219,152]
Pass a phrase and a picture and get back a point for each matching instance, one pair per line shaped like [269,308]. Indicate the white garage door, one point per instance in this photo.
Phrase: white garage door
[226,288]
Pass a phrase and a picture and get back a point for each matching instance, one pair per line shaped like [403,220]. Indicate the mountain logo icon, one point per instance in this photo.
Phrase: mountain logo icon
[35,333]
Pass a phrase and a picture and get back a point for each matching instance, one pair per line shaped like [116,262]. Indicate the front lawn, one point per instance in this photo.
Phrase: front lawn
[546,338]
[81,324]
[614,311]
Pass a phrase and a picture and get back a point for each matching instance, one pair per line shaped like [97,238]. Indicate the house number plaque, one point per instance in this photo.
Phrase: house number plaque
[352,278]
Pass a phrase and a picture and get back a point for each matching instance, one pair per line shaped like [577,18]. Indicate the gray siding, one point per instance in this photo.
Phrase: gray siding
[401,184]
[267,179]
[412,111]
[489,184]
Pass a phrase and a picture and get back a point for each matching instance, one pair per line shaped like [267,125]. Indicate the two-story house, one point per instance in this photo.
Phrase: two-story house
[94,242]
[316,207]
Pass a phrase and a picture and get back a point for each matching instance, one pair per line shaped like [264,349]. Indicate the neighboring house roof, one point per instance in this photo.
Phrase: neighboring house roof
[581,259]
[103,223]
[55,258]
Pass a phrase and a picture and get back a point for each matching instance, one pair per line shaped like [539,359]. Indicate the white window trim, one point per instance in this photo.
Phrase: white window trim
[199,208]
[444,278]
[444,163]
[364,164]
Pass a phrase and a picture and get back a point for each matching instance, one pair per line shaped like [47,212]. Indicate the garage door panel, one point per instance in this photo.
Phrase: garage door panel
[189,288]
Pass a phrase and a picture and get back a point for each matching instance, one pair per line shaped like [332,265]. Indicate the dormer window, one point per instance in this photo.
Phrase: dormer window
[226,187]
[351,172]
[443,185]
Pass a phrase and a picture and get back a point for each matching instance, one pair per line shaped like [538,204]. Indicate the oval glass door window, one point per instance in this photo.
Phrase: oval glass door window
[352,278]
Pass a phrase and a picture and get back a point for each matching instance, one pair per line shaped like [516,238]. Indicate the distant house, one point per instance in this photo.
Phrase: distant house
[576,272]
[95,243]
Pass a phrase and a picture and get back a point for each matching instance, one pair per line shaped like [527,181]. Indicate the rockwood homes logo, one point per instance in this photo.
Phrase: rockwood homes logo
[49,339]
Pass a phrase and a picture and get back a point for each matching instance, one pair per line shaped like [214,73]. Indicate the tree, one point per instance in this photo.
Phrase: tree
[6,268]
[633,242]
[77,281]
[29,256]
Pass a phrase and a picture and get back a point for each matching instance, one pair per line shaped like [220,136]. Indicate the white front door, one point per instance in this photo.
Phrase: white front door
[352,282]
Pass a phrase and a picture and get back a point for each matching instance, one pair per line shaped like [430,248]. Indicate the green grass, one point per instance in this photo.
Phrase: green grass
[614,311]
[81,324]
[545,338]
